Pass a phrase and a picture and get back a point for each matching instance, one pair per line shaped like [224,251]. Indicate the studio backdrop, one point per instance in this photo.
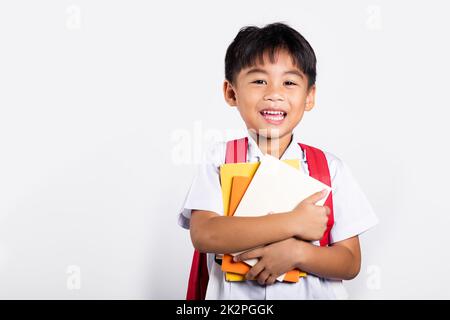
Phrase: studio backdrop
[107,106]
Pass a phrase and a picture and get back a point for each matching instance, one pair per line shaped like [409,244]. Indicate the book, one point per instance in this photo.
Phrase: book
[276,187]
[235,178]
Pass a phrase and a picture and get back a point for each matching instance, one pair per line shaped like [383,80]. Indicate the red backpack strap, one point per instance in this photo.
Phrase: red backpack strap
[318,169]
[236,151]
[198,279]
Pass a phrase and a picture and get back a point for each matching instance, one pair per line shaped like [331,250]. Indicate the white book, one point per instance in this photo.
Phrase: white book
[276,187]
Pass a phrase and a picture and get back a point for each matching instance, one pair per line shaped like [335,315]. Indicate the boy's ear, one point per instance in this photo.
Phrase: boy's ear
[229,93]
[310,98]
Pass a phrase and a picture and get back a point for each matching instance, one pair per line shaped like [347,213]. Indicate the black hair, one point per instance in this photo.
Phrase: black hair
[252,42]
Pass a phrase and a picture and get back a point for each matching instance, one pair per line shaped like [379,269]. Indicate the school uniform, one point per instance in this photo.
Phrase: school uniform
[353,215]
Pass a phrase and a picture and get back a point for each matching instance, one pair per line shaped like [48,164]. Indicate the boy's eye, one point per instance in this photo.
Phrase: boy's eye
[290,83]
[259,81]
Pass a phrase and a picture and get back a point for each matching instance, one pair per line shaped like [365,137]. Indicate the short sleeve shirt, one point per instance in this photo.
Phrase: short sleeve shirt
[352,211]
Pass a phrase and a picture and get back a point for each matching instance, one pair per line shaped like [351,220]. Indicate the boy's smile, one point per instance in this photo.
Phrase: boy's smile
[271,96]
[273,116]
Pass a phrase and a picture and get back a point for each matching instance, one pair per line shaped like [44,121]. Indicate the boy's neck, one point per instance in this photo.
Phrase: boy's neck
[273,146]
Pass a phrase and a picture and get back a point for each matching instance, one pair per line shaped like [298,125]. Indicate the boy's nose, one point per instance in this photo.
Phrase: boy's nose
[274,97]
[273,93]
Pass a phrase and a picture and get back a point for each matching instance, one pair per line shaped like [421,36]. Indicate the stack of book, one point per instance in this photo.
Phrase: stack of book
[259,188]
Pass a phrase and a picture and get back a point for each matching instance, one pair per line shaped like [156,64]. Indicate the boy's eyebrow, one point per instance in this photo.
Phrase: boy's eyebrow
[259,70]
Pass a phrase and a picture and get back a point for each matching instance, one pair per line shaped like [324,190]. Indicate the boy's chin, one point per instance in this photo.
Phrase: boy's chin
[270,133]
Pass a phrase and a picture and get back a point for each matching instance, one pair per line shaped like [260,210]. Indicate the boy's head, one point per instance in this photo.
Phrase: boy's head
[270,76]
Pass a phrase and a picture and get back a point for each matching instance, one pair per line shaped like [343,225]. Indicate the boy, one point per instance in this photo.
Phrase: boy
[270,78]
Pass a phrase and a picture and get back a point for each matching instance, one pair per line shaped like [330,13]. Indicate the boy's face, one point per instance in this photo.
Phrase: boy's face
[271,97]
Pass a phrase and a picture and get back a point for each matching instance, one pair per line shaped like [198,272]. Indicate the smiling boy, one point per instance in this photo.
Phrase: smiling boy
[270,78]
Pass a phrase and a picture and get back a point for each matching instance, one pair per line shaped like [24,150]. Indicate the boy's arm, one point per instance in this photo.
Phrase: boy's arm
[341,261]
[211,232]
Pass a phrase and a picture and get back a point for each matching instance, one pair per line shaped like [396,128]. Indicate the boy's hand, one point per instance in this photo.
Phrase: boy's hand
[274,260]
[311,220]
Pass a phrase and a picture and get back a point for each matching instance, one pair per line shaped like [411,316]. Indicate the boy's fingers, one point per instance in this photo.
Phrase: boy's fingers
[271,280]
[254,271]
[255,253]
[327,210]
[263,277]
[316,196]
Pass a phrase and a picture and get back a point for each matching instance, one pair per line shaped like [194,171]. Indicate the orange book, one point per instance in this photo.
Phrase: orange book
[238,187]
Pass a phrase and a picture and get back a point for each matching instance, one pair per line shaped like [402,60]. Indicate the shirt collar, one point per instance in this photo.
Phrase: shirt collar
[293,151]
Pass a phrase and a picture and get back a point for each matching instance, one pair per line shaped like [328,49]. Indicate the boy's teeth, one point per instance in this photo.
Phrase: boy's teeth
[273,112]
[273,115]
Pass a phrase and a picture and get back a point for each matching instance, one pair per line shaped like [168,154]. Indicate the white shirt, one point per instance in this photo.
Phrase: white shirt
[353,215]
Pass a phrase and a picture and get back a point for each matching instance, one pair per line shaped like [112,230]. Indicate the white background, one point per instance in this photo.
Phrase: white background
[93,95]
